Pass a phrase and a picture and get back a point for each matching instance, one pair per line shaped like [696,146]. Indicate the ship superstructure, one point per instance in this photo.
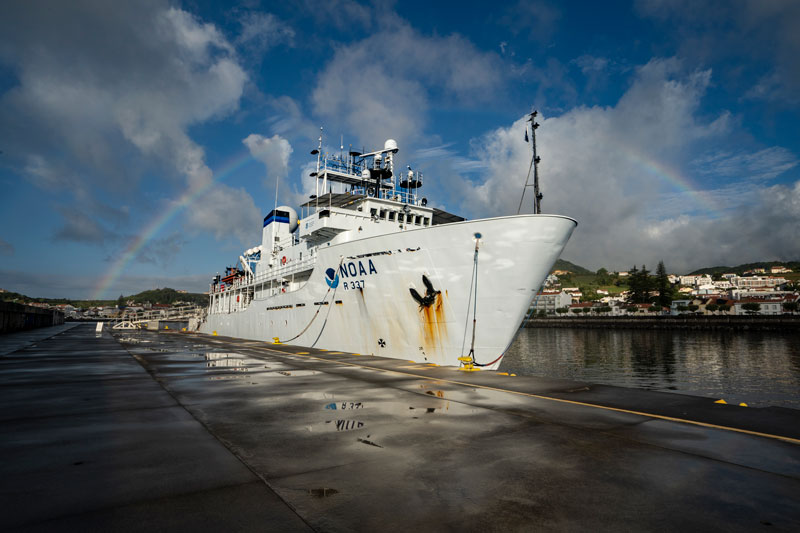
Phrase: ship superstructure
[367,266]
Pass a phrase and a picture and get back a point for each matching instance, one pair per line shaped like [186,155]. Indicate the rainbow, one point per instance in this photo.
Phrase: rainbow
[135,246]
[671,177]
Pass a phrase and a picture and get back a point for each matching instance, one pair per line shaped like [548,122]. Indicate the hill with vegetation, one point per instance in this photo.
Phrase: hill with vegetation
[166,296]
[563,264]
[741,269]
[153,296]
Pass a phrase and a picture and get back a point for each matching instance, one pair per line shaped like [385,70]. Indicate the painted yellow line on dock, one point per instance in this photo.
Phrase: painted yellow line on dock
[559,400]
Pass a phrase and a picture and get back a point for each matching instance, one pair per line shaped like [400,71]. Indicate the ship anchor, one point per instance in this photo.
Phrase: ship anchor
[430,293]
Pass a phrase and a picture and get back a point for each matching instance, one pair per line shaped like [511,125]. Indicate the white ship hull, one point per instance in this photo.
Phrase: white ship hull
[371,310]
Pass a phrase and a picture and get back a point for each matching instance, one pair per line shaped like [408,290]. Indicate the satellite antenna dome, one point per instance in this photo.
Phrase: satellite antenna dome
[390,144]
[365,174]
[293,223]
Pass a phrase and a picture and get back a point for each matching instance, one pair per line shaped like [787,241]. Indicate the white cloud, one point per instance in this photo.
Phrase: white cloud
[79,227]
[347,15]
[590,64]
[108,92]
[618,171]
[760,37]
[434,152]
[760,165]
[273,151]
[262,31]
[383,86]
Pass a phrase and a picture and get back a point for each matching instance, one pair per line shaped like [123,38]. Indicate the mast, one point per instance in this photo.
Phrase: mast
[537,202]
[537,206]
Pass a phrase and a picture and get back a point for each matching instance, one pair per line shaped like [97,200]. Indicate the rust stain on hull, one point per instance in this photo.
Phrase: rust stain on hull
[434,325]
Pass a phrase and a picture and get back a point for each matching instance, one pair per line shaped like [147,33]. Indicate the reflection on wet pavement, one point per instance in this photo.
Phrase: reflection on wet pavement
[344,405]
[346,425]
[422,451]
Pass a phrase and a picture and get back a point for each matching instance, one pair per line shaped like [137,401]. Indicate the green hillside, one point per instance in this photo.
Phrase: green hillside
[167,296]
[154,296]
[741,269]
[563,264]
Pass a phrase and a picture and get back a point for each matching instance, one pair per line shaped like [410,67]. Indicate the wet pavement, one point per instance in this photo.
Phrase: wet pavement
[170,430]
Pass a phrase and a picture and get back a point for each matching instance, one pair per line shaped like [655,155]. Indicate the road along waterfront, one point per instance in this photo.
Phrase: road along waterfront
[754,367]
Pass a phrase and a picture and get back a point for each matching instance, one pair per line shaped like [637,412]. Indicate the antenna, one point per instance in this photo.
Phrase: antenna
[537,203]
[316,178]
[275,216]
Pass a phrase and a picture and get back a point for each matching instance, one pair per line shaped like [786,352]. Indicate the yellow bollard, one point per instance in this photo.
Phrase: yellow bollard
[276,340]
[721,401]
[214,333]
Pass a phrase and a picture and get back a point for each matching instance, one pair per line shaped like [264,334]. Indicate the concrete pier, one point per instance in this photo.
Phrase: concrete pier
[172,430]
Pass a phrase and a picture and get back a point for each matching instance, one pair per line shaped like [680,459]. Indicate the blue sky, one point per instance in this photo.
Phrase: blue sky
[141,141]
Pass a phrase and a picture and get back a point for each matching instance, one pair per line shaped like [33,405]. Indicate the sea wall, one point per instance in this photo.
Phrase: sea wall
[16,317]
[755,323]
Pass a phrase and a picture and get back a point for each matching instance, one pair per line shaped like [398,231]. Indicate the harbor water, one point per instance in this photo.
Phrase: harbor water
[757,368]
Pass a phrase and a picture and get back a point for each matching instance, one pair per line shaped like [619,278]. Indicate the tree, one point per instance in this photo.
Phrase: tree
[682,308]
[121,302]
[790,307]
[633,284]
[725,308]
[693,307]
[588,294]
[654,308]
[711,308]
[576,310]
[587,310]
[542,313]
[640,285]
[663,286]
[602,277]
[751,308]
[562,310]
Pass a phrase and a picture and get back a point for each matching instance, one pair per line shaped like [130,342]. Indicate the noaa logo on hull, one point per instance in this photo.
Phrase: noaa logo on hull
[331,278]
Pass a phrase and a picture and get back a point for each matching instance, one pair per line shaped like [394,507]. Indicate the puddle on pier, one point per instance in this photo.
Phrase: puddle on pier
[298,373]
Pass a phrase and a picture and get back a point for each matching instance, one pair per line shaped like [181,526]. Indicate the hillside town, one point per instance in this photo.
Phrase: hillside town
[756,292]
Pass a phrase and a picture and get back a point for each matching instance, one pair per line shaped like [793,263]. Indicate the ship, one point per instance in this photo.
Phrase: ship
[368,267]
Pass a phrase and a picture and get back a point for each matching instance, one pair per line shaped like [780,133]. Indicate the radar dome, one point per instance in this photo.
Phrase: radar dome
[293,225]
[390,144]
